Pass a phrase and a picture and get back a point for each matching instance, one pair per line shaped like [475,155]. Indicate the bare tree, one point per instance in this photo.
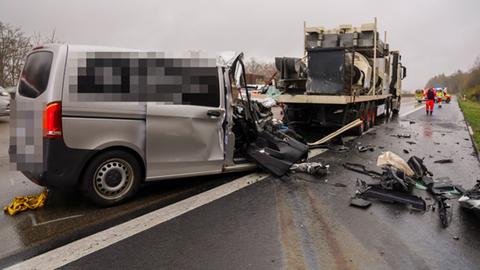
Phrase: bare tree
[267,70]
[14,46]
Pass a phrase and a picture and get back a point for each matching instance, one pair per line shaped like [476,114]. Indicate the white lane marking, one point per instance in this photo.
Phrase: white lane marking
[470,130]
[75,250]
[315,152]
[35,223]
[412,111]
[408,103]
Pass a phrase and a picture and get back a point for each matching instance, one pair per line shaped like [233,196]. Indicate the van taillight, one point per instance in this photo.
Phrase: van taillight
[52,120]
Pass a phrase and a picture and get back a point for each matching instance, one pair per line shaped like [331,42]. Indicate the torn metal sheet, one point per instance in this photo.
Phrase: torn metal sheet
[276,152]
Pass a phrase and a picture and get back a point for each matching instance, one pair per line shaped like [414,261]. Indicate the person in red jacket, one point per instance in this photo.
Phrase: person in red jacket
[430,100]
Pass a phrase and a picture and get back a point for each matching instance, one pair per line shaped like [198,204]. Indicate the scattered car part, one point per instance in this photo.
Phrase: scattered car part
[471,198]
[313,168]
[393,197]
[405,136]
[416,164]
[276,152]
[362,148]
[444,211]
[390,158]
[23,203]
[359,168]
[360,203]
[444,161]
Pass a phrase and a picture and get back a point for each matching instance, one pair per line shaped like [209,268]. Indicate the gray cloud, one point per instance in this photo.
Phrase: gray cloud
[434,36]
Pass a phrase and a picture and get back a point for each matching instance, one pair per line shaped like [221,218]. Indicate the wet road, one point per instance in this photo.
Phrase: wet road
[297,222]
[68,215]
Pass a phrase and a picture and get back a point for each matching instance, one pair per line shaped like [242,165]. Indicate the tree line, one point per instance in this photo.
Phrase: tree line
[14,46]
[460,82]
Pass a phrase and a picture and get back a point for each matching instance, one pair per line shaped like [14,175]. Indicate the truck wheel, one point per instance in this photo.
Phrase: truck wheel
[112,177]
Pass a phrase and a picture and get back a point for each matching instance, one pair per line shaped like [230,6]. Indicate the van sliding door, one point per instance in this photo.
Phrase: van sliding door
[185,137]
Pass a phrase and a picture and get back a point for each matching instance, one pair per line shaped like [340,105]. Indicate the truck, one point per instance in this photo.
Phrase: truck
[346,73]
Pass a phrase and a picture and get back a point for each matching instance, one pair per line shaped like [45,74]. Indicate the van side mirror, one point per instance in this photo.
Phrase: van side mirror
[404,72]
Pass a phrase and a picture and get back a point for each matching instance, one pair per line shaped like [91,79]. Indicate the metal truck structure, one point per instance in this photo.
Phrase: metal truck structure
[346,73]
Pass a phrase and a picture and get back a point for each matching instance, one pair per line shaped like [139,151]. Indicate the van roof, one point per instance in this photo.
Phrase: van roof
[223,58]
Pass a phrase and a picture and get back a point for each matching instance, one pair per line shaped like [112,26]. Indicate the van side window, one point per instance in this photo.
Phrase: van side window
[173,81]
[35,74]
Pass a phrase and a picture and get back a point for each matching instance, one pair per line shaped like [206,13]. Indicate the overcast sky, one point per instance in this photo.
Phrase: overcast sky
[434,36]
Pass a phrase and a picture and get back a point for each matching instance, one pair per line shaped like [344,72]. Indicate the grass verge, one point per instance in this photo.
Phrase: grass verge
[471,111]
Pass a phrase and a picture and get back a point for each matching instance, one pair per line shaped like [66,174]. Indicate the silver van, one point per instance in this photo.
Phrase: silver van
[105,119]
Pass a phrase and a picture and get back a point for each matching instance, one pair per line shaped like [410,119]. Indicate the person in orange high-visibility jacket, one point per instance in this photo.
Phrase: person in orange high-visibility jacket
[430,100]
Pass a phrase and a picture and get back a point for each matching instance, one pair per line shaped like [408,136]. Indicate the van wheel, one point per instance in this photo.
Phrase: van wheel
[112,177]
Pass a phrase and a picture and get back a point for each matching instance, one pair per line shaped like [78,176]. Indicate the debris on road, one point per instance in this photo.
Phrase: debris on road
[360,203]
[410,142]
[444,211]
[444,161]
[406,151]
[404,136]
[390,158]
[23,203]
[471,198]
[394,197]
[313,168]
[276,152]
[363,148]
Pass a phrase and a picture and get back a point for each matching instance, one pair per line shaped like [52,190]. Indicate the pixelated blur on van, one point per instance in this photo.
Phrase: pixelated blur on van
[104,120]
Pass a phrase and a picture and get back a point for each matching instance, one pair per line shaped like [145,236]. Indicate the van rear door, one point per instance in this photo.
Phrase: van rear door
[40,84]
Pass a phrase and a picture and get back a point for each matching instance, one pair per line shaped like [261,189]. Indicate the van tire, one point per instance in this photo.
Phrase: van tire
[111,178]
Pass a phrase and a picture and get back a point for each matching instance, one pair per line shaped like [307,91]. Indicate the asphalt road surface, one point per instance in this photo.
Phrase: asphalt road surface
[297,222]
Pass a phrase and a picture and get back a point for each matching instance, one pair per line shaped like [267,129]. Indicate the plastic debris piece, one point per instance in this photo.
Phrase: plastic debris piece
[360,203]
[23,203]
[313,168]
[406,136]
[390,158]
[444,161]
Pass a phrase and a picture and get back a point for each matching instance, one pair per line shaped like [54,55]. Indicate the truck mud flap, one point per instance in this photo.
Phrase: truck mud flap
[276,152]
[394,197]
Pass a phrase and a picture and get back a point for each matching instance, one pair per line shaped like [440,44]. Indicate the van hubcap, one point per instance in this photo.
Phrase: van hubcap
[113,178]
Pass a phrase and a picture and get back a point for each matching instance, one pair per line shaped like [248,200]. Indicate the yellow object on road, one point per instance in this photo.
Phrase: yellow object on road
[23,203]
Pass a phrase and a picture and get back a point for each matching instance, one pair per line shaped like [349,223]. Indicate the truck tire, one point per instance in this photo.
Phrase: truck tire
[112,177]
